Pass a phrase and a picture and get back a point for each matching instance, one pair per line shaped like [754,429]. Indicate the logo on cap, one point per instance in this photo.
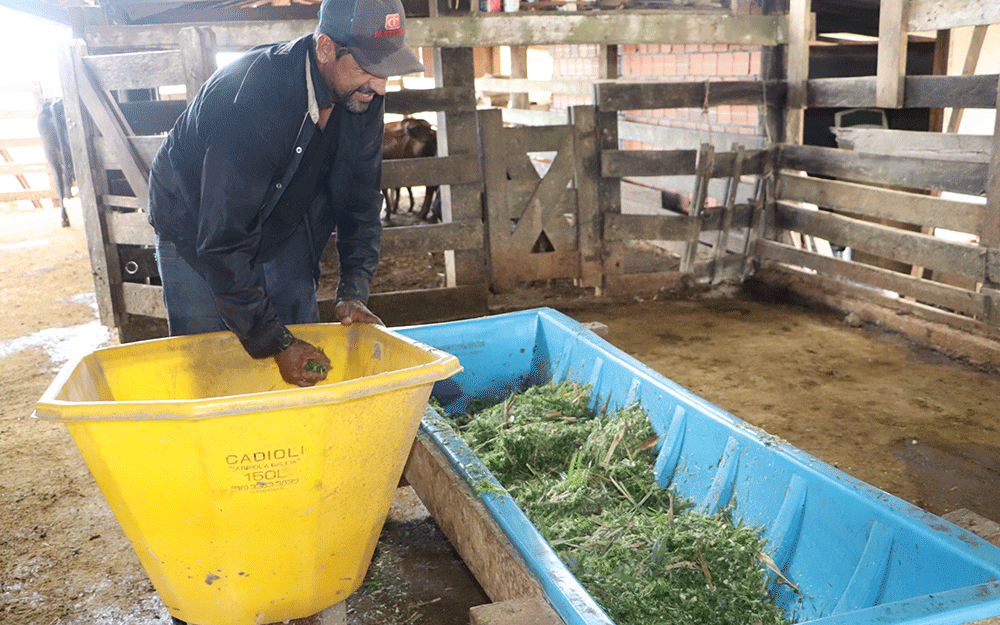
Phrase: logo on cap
[392,21]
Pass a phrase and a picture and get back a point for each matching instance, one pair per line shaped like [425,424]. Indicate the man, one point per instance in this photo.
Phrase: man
[278,150]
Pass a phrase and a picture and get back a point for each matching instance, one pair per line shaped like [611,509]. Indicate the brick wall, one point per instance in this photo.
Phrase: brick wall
[677,62]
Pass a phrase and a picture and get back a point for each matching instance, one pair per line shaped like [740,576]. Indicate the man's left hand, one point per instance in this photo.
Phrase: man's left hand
[349,311]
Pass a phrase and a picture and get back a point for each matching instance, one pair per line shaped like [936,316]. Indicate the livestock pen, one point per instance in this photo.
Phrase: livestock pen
[765,209]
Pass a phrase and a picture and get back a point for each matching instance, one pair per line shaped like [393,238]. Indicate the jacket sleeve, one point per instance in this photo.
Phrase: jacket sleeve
[239,168]
[359,228]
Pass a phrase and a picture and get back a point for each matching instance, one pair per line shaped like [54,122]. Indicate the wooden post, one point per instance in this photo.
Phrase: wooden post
[91,181]
[971,61]
[942,48]
[609,189]
[892,37]
[495,181]
[608,62]
[590,221]
[519,69]
[797,59]
[990,235]
[722,240]
[706,163]
[197,46]
[458,134]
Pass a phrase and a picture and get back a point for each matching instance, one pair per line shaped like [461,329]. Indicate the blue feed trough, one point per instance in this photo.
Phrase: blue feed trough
[857,554]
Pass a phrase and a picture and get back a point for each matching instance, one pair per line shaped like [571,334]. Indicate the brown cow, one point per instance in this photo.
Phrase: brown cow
[409,137]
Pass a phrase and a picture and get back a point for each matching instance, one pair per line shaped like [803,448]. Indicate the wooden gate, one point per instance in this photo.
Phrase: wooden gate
[542,221]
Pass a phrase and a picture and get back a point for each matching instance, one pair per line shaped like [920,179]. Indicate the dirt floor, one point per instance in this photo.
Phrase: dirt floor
[892,413]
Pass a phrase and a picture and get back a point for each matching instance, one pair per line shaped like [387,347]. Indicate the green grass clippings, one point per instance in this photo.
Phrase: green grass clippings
[585,481]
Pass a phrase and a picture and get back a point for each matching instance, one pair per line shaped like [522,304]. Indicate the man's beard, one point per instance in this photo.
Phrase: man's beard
[350,103]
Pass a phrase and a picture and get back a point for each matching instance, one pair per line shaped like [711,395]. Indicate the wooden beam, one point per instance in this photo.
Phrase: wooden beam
[728,208]
[958,259]
[519,70]
[631,96]
[797,63]
[458,136]
[881,203]
[140,70]
[618,227]
[904,172]
[706,163]
[590,221]
[621,163]
[19,142]
[447,99]
[488,30]
[198,50]
[456,508]
[946,14]
[990,235]
[921,92]
[29,195]
[528,611]
[429,170]
[954,298]
[535,217]
[892,38]
[457,235]
[91,182]
[919,144]
[969,68]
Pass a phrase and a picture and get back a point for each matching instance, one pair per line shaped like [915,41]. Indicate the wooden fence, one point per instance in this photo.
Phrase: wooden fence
[505,223]
[883,198]
[12,162]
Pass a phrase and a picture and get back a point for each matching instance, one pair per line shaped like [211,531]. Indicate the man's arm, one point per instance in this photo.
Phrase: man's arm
[359,228]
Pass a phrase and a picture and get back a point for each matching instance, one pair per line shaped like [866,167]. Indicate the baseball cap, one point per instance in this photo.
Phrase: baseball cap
[374,31]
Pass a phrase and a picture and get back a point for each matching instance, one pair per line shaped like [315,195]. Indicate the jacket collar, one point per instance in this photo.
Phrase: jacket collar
[318,94]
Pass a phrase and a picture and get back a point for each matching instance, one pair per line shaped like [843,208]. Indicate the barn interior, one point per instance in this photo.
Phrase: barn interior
[596,156]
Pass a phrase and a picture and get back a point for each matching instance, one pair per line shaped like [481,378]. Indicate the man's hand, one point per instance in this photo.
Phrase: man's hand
[349,311]
[293,363]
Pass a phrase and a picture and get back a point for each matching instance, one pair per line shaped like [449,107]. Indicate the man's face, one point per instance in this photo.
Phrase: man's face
[352,85]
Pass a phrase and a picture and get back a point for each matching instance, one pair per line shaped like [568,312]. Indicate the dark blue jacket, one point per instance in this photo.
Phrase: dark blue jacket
[223,167]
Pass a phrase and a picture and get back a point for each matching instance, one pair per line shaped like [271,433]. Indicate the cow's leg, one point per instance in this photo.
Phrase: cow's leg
[409,191]
[64,191]
[429,194]
[65,216]
[394,200]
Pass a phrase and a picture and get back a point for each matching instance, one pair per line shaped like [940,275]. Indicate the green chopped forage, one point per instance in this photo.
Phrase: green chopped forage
[315,367]
[585,480]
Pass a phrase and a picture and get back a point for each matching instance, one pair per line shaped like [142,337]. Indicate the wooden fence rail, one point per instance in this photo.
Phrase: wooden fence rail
[509,220]
[19,168]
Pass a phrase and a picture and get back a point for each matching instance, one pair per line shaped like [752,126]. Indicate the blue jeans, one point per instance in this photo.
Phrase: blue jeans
[191,305]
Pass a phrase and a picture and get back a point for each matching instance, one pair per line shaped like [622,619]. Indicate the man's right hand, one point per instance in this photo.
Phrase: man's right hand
[292,363]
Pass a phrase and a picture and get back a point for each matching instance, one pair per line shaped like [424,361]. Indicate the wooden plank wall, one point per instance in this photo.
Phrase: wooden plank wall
[880,194]
[883,204]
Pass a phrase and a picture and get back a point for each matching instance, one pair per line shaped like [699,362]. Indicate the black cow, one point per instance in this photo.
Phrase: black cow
[55,142]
